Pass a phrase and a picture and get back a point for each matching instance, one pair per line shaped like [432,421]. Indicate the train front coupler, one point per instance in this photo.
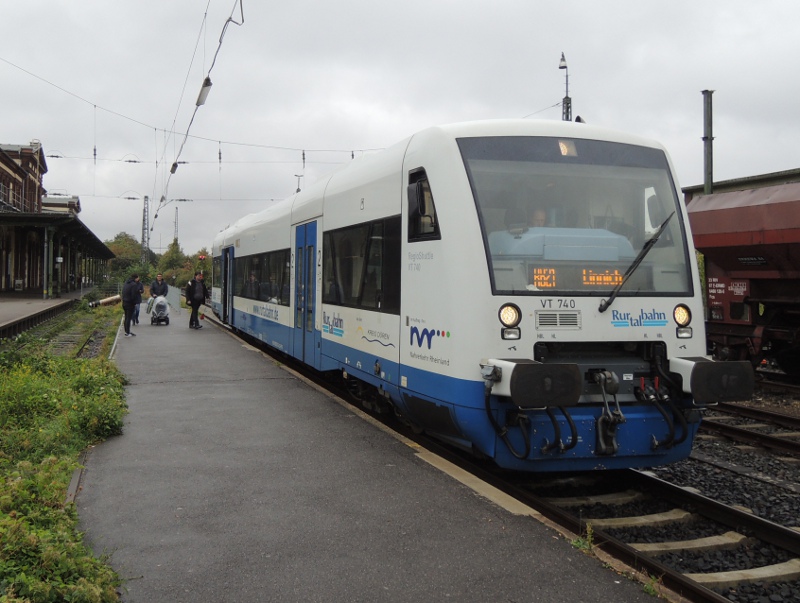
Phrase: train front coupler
[608,421]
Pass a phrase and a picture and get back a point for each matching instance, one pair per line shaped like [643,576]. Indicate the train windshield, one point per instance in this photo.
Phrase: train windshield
[569,216]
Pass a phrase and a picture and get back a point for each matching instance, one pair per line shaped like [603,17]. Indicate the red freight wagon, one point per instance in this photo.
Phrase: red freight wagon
[751,243]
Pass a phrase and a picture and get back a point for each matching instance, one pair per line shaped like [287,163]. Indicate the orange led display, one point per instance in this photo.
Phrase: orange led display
[606,278]
[544,278]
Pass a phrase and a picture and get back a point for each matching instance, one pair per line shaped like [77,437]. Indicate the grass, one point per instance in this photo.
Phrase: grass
[51,409]
[585,542]
[654,586]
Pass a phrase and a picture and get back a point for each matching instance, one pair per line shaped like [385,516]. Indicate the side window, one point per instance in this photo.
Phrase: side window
[264,277]
[390,266]
[251,285]
[331,292]
[361,266]
[345,251]
[423,224]
[280,271]
[239,272]
[371,285]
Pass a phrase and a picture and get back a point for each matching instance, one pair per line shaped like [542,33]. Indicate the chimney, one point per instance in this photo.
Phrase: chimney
[708,144]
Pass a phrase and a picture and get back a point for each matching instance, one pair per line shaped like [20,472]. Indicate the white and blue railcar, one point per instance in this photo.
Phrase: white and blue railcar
[523,289]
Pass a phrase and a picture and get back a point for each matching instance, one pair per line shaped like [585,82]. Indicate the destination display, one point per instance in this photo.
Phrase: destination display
[574,277]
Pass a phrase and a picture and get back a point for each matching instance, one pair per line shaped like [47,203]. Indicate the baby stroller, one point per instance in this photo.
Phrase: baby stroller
[160,311]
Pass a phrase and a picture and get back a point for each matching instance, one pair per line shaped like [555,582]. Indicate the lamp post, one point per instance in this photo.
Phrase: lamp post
[566,104]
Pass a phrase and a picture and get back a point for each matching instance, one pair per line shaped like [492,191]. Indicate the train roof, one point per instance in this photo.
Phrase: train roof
[541,127]
[308,203]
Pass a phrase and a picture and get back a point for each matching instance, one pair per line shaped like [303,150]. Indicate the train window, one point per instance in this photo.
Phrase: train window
[574,224]
[216,274]
[361,266]
[264,277]
[423,223]
[276,276]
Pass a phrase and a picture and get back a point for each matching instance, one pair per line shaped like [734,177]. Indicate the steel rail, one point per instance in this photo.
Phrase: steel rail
[759,414]
[751,437]
[741,521]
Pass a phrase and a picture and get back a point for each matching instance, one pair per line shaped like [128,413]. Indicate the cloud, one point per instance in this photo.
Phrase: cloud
[122,78]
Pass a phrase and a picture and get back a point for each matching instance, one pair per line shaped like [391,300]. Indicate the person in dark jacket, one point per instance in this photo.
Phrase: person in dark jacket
[131,296]
[196,296]
[135,317]
[159,286]
[252,287]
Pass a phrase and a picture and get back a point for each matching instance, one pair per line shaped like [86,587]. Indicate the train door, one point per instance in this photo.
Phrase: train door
[227,285]
[305,278]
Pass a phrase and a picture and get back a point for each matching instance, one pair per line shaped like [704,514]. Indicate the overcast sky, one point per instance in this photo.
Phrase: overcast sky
[333,78]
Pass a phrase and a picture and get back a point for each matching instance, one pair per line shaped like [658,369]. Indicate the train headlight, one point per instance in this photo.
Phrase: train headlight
[510,316]
[682,315]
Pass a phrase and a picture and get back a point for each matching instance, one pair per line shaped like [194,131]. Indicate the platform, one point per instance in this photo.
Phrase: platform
[18,305]
[235,480]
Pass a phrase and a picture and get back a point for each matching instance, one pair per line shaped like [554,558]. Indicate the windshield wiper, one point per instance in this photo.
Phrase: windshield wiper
[606,303]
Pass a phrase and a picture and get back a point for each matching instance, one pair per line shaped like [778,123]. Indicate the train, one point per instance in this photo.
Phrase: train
[521,289]
[748,231]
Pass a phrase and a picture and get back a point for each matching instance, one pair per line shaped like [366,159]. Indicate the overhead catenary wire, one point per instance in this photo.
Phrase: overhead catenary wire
[200,100]
[198,161]
[169,132]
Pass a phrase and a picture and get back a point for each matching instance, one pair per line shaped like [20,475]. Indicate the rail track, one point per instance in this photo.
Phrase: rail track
[683,524]
[777,381]
[775,431]
[61,330]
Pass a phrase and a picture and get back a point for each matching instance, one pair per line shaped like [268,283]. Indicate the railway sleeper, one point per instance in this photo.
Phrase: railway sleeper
[780,572]
[655,519]
[727,541]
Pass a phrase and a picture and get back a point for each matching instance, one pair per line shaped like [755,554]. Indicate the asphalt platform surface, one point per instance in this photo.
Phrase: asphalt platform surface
[235,481]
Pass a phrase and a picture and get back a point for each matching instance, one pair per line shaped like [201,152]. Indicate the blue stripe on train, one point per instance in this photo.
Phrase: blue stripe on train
[455,409]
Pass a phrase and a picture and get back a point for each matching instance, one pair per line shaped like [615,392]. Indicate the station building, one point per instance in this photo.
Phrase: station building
[44,247]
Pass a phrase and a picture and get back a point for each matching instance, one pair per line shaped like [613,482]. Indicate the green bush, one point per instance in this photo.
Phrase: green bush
[42,557]
[51,408]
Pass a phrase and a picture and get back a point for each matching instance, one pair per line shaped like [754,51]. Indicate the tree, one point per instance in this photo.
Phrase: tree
[172,259]
[174,265]
[128,252]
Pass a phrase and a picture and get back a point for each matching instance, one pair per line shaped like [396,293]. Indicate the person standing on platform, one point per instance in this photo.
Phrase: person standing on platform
[130,297]
[159,287]
[196,296]
[135,319]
